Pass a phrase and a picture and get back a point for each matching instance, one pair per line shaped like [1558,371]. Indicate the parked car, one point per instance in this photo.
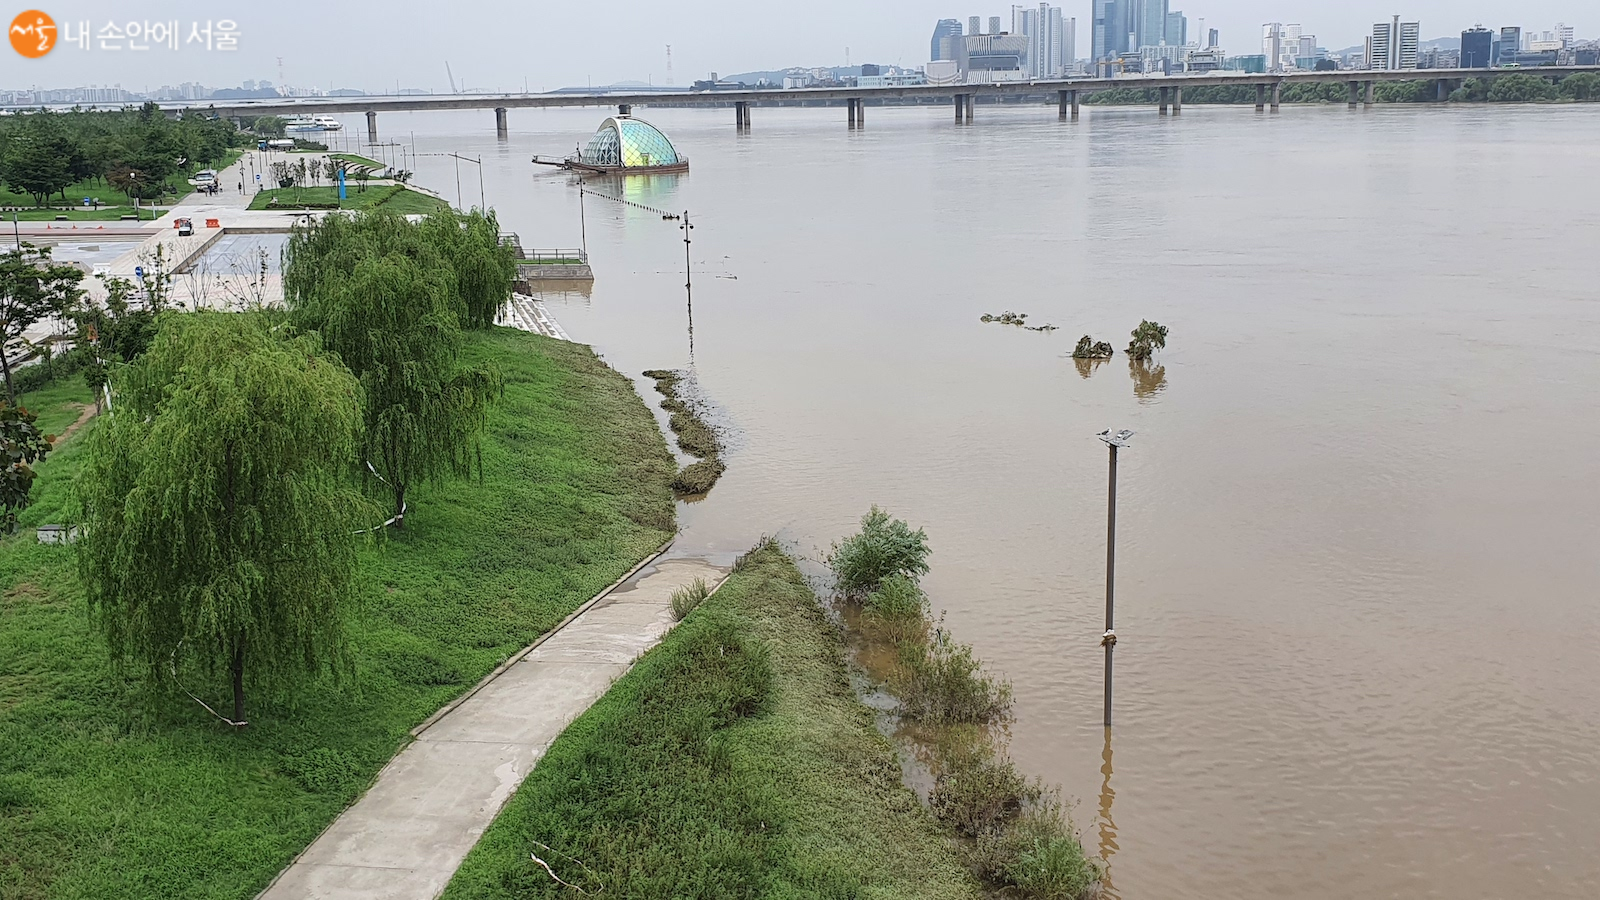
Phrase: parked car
[185,227]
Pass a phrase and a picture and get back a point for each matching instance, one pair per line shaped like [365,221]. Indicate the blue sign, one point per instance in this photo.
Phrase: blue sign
[138,272]
[86,201]
[341,184]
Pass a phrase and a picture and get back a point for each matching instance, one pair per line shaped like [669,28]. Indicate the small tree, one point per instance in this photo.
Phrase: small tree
[32,288]
[1147,339]
[883,547]
[218,527]
[24,445]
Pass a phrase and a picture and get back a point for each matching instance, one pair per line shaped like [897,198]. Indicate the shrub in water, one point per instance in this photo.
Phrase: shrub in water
[897,611]
[1037,855]
[941,681]
[883,547]
[686,598]
[698,478]
[978,794]
[1147,339]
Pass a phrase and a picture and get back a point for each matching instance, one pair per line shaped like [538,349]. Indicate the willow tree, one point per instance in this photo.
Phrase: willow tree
[484,267]
[377,291]
[219,524]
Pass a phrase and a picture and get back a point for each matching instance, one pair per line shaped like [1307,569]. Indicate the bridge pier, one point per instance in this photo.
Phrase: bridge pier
[1441,90]
[502,130]
[861,112]
[372,126]
[1177,100]
[971,103]
[1355,93]
[1261,98]
[1074,106]
[624,109]
[741,115]
[1277,95]
[1061,105]
[1372,93]
[1166,98]
[961,109]
[850,107]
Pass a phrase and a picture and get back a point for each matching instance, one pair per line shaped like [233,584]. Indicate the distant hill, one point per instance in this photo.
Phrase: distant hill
[776,75]
[1444,43]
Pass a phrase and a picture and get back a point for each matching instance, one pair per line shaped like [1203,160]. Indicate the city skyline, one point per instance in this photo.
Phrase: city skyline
[295,46]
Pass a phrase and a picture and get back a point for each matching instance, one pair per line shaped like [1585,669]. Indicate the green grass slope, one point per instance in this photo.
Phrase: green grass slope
[108,791]
[733,761]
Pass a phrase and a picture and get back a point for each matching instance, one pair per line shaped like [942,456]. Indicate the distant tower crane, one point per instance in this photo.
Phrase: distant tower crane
[669,65]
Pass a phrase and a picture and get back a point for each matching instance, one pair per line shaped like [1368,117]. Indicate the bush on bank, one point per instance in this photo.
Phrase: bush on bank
[1018,836]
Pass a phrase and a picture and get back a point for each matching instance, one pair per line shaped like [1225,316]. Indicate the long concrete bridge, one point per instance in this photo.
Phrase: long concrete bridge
[1069,93]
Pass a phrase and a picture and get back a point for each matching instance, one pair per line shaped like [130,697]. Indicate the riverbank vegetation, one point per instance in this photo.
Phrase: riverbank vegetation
[115,156]
[573,491]
[733,761]
[390,198]
[1016,834]
[1519,87]
[695,437]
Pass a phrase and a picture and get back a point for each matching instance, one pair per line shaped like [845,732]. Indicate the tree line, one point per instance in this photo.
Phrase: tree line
[135,151]
[245,456]
[1519,87]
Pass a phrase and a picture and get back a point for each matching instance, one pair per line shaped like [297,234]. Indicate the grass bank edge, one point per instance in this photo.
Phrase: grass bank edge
[585,483]
[763,774]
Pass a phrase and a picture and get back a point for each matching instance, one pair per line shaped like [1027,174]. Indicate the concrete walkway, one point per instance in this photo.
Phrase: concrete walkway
[405,838]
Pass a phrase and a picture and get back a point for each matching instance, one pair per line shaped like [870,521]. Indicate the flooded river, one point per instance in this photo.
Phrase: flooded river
[1359,525]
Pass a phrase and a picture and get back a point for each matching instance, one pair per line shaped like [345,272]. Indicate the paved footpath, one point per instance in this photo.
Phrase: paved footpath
[405,838]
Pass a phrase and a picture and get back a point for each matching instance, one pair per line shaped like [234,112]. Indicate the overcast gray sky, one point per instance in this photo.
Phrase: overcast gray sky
[501,44]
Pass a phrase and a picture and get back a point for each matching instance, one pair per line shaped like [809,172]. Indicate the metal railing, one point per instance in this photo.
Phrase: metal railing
[554,256]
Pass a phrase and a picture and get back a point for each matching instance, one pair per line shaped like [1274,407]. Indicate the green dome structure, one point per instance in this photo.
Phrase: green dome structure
[624,144]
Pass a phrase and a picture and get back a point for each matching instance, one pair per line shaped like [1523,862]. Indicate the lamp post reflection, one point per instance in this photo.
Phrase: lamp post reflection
[1104,824]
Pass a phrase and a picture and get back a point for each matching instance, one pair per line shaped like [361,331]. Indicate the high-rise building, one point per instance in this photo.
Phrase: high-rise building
[1510,44]
[1272,45]
[1410,41]
[1213,39]
[1394,45]
[1566,34]
[1476,45]
[994,24]
[1177,29]
[947,28]
[1052,39]
[974,25]
[1150,24]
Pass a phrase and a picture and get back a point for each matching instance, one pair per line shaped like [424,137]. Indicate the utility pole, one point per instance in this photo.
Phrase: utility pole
[1109,639]
[688,281]
[583,223]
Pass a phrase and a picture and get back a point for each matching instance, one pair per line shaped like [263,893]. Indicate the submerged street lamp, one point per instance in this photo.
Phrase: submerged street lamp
[1115,441]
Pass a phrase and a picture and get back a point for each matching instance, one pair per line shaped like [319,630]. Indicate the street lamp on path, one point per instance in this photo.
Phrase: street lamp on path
[1109,639]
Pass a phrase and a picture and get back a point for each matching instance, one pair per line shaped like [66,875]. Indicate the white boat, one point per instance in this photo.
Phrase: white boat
[307,124]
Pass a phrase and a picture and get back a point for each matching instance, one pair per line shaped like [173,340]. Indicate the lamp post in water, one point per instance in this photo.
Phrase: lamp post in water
[1109,639]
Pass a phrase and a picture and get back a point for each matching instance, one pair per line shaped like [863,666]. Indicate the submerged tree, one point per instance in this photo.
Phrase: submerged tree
[1088,348]
[1147,339]
[32,288]
[219,530]
[382,298]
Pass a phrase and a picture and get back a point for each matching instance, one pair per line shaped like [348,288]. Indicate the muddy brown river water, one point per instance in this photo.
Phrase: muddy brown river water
[1359,552]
